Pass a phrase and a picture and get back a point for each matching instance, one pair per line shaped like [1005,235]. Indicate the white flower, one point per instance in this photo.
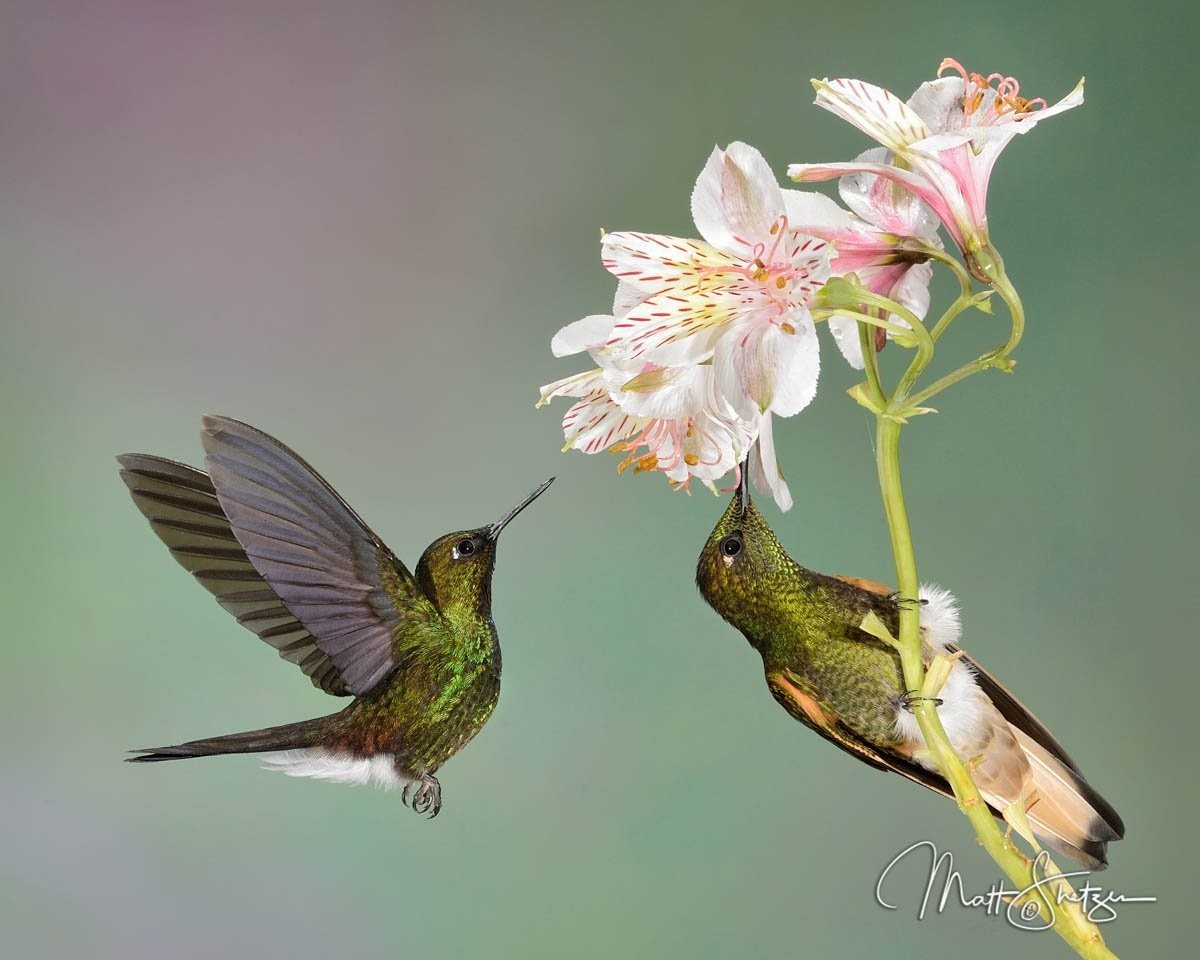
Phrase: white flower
[878,240]
[739,297]
[669,420]
[707,338]
[947,139]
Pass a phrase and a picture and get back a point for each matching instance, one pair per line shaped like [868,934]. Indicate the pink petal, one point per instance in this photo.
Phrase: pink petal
[925,189]
[764,467]
[884,203]
[736,201]
[761,367]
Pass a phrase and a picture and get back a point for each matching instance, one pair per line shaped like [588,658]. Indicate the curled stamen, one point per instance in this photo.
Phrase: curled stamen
[778,230]
[949,63]
[1007,90]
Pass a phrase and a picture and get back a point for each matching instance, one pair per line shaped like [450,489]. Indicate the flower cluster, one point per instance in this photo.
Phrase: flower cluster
[709,339]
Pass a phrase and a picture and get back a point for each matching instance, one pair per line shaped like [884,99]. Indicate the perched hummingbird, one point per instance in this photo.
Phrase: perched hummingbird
[847,685]
[283,553]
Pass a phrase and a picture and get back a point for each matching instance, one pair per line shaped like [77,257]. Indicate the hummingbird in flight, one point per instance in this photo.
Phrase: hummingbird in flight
[847,684]
[284,553]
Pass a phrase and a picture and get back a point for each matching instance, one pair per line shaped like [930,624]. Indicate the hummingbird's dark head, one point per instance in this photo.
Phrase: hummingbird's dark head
[455,571]
[743,564]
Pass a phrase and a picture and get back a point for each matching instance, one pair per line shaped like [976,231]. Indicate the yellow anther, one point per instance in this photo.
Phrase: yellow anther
[691,459]
[787,328]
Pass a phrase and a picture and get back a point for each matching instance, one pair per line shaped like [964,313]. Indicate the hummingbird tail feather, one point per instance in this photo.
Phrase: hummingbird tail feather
[289,736]
[1066,812]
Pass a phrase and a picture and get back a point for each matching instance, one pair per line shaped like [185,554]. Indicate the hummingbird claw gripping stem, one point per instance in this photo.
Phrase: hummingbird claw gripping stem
[908,601]
[912,696]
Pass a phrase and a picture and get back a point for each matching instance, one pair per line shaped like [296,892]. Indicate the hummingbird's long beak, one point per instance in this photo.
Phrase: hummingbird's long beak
[495,528]
[743,488]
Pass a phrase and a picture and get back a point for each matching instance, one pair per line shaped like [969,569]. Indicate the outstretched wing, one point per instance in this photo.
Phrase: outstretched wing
[332,573]
[181,505]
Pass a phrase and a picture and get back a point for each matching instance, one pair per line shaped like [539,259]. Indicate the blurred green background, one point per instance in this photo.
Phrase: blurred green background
[357,226]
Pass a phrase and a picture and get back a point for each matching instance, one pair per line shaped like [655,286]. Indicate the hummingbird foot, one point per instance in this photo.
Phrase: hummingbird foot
[424,795]
[908,601]
[912,696]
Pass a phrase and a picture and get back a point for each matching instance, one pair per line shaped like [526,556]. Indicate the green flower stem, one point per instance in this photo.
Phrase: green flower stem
[1064,916]
[917,331]
[917,327]
[824,313]
[871,363]
[966,290]
[998,359]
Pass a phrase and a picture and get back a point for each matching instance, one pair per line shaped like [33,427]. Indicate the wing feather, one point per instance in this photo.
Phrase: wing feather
[327,567]
[181,505]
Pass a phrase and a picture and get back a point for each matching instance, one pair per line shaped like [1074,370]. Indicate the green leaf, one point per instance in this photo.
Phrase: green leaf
[862,396]
[875,627]
[982,301]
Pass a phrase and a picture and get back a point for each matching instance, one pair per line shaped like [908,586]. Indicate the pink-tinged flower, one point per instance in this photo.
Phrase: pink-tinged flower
[669,420]
[945,140]
[739,297]
[764,468]
[878,240]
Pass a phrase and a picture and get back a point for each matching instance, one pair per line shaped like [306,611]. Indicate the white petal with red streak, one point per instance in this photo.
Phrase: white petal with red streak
[877,112]
[652,262]
[595,423]
[664,328]
[579,385]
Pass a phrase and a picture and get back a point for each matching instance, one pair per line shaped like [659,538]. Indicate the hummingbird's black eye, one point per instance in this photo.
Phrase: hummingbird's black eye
[464,548]
[731,546]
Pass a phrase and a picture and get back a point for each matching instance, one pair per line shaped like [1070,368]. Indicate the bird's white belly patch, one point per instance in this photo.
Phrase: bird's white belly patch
[941,623]
[963,710]
[337,768]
